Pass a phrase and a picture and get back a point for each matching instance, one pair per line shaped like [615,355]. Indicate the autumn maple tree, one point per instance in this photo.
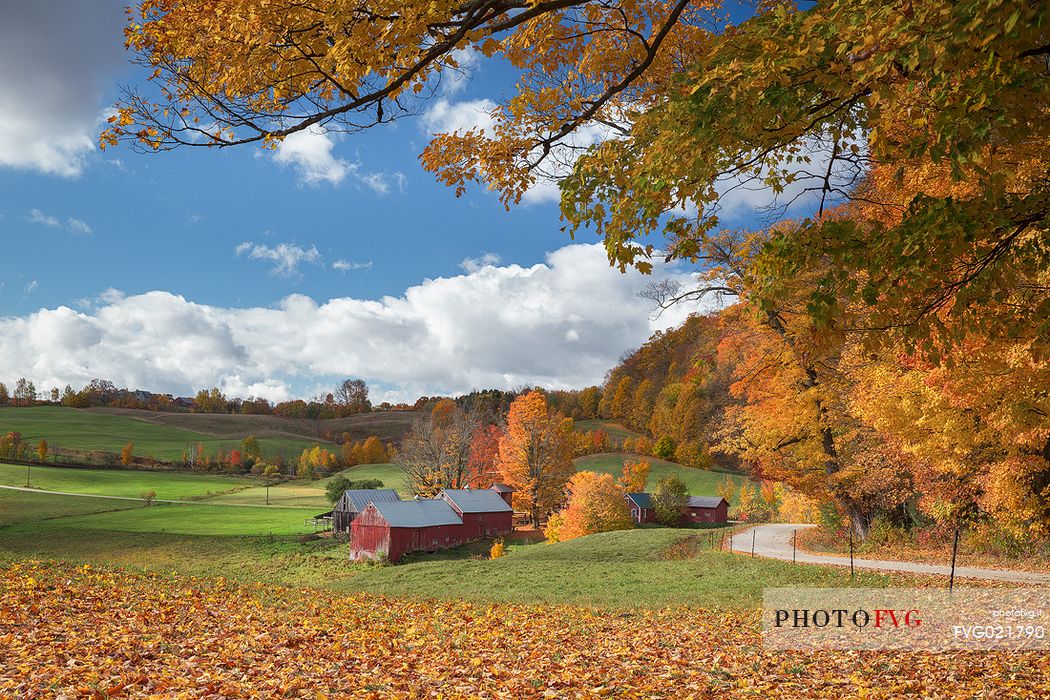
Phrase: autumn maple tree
[230,73]
[535,455]
[635,475]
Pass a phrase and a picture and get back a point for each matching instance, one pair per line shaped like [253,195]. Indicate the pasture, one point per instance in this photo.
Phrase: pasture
[386,425]
[311,493]
[83,430]
[643,568]
[650,567]
[123,482]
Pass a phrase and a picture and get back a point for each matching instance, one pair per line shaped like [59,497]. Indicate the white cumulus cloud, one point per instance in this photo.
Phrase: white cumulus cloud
[560,323]
[310,153]
[348,265]
[57,59]
[35,216]
[72,224]
[286,257]
[475,264]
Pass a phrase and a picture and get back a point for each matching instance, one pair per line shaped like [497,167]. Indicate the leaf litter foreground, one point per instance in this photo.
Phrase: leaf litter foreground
[81,632]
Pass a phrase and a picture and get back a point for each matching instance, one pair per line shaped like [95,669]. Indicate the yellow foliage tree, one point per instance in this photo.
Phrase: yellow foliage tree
[535,455]
[314,462]
[596,504]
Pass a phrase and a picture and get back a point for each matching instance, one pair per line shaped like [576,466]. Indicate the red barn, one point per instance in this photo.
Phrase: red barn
[707,509]
[395,528]
[641,505]
[483,511]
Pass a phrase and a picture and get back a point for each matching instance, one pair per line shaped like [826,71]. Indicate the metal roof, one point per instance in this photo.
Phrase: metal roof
[476,500]
[501,488]
[355,500]
[705,501]
[425,512]
[642,500]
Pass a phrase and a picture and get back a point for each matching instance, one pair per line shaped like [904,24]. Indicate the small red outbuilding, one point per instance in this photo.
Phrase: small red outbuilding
[707,509]
[483,511]
[641,505]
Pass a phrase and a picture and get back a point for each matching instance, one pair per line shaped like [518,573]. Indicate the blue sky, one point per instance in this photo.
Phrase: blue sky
[276,274]
[173,220]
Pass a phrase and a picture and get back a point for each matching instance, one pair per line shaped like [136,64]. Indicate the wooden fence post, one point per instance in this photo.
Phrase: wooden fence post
[955,551]
[851,550]
[753,544]
[794,539]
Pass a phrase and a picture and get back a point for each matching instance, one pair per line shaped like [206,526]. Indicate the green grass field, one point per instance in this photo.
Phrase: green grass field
[21,507]
[700,482]
[650,567]
[615,569]
[192,519]
[122,482]
[623,569]
[310,494]
[75,429]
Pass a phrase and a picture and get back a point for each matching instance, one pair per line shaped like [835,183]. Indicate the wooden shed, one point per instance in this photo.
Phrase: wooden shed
[641,505]
[483,511]
[707,509]
[394,528]
[505,492]
[354,501]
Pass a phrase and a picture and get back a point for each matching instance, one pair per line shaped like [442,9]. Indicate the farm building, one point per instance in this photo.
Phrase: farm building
[353,501]
[505,492]
[395,527]
[701,509]
[641,505]
[483,511]
[707,509]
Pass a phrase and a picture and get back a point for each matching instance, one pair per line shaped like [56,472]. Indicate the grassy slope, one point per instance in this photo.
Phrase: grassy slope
[387,425]
[193,520]
[251,544]
[622,569]
[22,507]
[310,494]
[88,430]
[700,482]
[120,482]
[617,569]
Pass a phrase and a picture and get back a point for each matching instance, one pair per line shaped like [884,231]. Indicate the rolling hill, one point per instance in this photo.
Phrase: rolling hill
[387,426]
[166,436]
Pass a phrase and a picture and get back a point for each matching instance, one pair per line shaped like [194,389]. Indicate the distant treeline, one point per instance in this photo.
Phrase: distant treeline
[348,398]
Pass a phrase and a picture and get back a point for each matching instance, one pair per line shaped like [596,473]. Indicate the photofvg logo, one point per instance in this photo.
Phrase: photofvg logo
[921,619]
[841,617]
